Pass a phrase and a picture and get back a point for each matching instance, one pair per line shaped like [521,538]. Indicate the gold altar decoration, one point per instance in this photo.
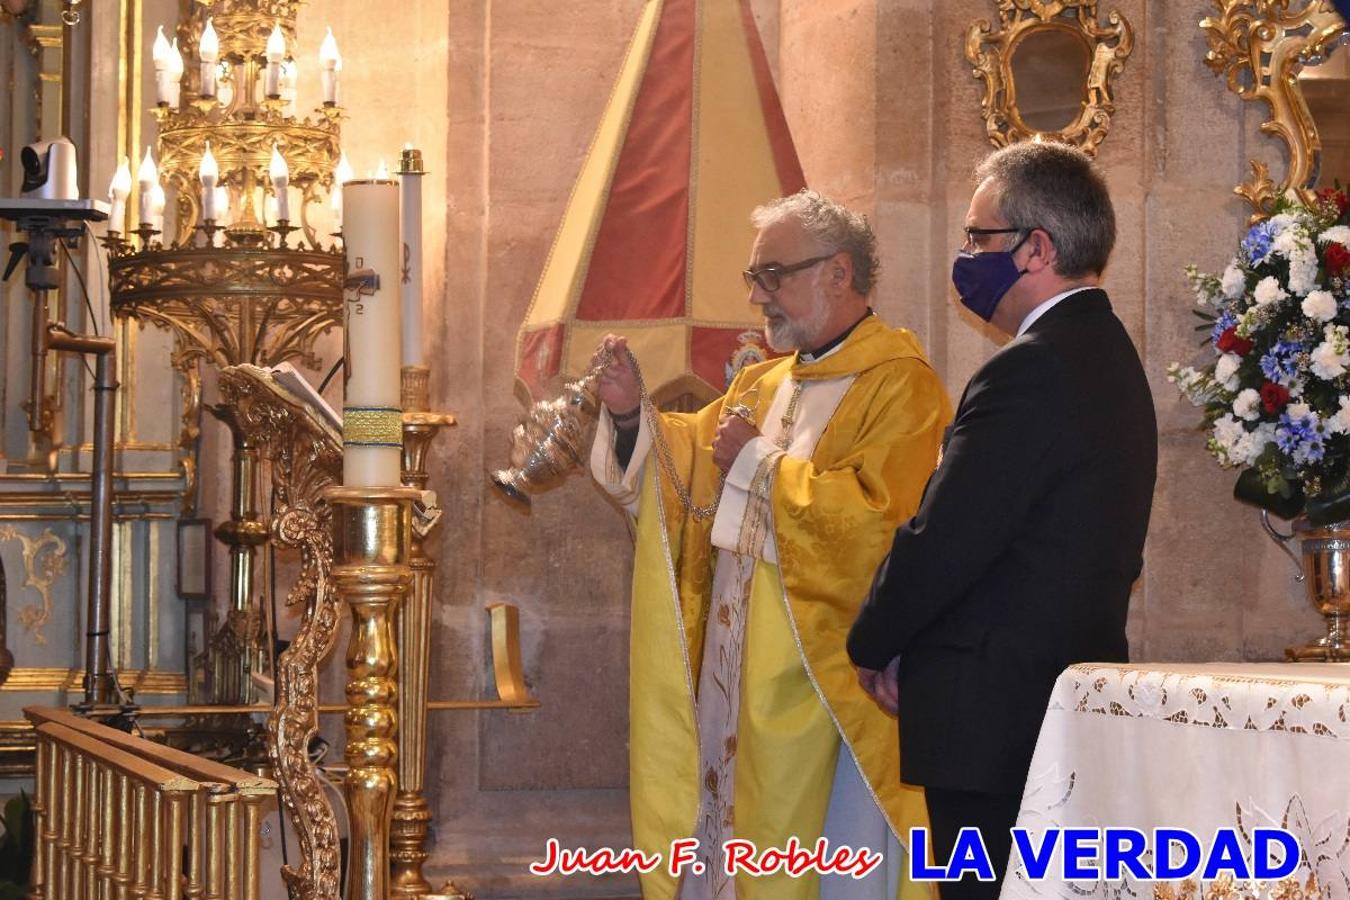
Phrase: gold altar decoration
[1259,46]
[372,540]
[306,456]
[44,561]
[412,815]
[991,51]
[231,289]
[120,816]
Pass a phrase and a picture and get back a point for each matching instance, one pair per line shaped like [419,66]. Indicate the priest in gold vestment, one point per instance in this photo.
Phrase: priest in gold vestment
[760,521]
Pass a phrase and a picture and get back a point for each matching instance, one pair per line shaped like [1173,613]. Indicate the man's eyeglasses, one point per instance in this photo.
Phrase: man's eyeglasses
[770,275]
[975,237]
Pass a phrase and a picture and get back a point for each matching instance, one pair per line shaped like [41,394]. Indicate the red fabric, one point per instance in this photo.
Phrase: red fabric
[790,176]
[637,268]
[711,350]
[546,343]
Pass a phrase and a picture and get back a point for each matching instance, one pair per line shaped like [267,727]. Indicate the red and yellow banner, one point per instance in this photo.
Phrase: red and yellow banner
[657,229]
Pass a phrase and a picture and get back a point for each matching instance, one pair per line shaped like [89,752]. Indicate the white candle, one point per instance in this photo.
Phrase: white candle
[276,52]
[341,176]
[147,176]
[209,51]
[160,54]
[209,174]
[372,418]
[175,75]
[330,63]
[410,226]
[281,177]
[157,204]
[118,191]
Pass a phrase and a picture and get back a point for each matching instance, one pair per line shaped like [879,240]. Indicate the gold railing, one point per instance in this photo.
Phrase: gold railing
[119,816]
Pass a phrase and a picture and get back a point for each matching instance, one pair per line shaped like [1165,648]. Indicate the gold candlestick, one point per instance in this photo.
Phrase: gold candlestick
[372,539]
[412,815]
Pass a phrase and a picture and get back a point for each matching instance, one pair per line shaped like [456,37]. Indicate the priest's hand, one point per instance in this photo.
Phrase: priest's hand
[618,387]
[733,433]
[884,686]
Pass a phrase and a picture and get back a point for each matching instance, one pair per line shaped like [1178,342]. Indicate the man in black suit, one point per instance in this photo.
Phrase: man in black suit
[1020,559]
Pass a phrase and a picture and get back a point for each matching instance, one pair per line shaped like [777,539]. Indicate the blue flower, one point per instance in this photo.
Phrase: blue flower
[1301,437]
[1225,321]
[1256,245]
[1279,364]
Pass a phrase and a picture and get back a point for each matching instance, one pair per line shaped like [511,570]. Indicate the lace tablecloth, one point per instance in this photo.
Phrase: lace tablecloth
[1198,747]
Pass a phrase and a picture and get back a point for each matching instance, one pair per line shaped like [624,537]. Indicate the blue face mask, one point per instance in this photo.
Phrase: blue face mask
[983,278]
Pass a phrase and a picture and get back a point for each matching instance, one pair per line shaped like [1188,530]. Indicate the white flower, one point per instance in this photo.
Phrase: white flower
[1230,441]
[1340,234]
[1288,242]
[1280,224]
[1248,405]
[1320,305]
[1302,272]
[1331,358]
[1297,410]
[1269,291]
[1225,371]
[1234,281]
[1258,440]
[1296,387]
[1194,385]
[1340,422]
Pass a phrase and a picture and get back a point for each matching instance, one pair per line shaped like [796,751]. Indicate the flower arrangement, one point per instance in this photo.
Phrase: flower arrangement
[1276,399]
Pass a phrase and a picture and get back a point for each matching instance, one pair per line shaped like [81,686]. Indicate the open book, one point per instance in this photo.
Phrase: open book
[289,377]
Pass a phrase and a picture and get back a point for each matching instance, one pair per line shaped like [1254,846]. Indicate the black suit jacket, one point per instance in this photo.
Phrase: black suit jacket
[1020,559]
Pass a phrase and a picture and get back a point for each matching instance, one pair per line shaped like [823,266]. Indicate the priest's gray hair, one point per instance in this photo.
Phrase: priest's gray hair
[835,227]
[1056,188]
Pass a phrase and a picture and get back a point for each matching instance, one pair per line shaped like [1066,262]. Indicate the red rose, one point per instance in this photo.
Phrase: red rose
[1274,397]
[1337,258]
[1229,342]
[1331,195]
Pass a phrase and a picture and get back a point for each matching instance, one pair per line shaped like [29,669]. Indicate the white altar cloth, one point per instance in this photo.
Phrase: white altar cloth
[1197,747]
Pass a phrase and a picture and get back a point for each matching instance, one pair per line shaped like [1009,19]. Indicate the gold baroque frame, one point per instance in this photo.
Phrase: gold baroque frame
[1259,46]
[991,52]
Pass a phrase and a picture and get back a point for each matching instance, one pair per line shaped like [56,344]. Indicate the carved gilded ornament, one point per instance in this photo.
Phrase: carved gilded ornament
[991,50]
[44,561]
[1259,47]
[306,455]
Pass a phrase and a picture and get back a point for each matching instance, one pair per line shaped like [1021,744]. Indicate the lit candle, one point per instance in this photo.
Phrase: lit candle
[161,54]
[175,74]
[276,52]
[330,63]
[147,176]
[209,174]
[372,419]
[410,225]
[281,177]
[341,176]
[157,203]
[382,170]
[118,191]
[209,51]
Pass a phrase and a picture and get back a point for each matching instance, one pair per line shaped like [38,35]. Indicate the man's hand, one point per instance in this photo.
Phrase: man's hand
[618,387]
[883,687]
[733,433]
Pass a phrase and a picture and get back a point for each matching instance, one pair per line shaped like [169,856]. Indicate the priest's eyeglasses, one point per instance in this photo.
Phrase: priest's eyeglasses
[770,275]
[977,238]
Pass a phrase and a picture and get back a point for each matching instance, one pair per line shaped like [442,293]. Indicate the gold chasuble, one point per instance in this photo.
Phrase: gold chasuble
[829,517]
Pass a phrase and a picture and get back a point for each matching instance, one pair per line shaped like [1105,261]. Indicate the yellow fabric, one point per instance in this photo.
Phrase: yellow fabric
[834,516]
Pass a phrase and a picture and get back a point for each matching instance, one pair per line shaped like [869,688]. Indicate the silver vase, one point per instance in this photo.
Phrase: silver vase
[1323,567]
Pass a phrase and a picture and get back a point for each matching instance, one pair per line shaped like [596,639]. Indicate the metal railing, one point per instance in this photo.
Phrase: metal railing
[118,817]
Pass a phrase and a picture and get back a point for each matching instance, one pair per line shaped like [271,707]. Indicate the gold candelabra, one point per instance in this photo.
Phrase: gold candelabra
[231,288]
